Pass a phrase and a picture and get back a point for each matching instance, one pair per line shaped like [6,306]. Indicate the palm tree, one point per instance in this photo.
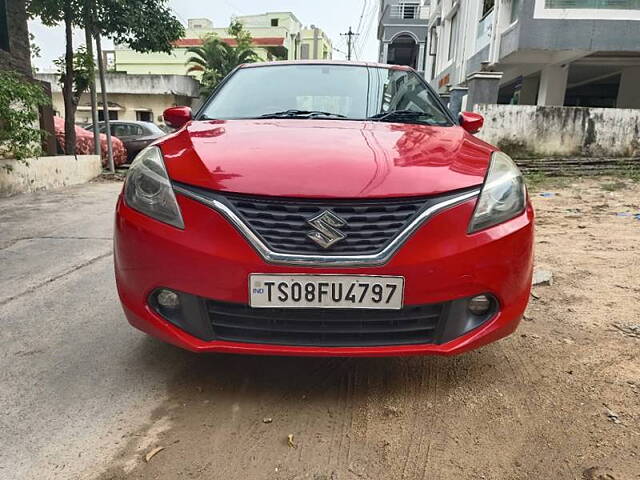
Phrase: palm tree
[216,59]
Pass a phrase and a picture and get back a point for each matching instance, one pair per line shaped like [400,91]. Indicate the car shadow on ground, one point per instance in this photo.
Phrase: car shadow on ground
[229,375]
[233,412]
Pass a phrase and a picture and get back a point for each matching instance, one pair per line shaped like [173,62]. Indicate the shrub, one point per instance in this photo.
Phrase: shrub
[20,136]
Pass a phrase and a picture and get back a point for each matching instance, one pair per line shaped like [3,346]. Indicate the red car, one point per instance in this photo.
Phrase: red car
[314,208]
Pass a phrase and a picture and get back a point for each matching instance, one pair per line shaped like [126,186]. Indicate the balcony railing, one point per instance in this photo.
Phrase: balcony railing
[597,4]
[405,11]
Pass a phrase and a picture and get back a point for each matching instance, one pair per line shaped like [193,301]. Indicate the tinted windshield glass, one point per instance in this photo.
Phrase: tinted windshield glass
[395,90]
[354,92]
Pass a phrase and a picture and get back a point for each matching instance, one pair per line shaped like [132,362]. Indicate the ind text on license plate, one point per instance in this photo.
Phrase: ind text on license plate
[326,291]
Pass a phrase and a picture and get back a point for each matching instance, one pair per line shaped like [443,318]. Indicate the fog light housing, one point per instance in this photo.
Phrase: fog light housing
[168,299]
[185,311]
[479,305]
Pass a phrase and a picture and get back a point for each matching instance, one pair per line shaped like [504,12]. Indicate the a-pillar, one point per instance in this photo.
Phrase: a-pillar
[628,96]
[553,85]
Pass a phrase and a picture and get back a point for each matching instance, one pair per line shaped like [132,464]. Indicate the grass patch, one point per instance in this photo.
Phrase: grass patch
[632,173]
[537,181]
[514,148]
[613,186]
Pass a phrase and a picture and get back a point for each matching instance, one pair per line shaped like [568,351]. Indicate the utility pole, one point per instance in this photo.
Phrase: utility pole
[349,36]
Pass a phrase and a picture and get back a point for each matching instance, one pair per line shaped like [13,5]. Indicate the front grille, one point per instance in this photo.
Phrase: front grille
[282,223]
[416,324]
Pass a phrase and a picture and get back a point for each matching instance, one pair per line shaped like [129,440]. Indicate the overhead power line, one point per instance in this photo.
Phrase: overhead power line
[365,30]
[339,51]
[364,7]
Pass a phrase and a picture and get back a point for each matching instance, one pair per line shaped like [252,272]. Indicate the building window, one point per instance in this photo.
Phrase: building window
[410,10]
[142,116]
[4,26]
[487,6]
[113,115]
[405,10]
[602,4]
[453,36]
[274,22]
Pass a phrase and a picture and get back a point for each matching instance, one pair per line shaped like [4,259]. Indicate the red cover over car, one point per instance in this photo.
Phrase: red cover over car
[84,143]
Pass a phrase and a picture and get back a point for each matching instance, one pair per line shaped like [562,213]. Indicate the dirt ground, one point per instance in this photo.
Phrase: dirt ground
[559,399]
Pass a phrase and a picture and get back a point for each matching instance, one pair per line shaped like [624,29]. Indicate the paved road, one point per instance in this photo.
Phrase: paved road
[73,375]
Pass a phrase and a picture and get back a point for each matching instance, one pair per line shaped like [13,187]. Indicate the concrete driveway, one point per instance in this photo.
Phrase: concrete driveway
[85,396]
[74,377]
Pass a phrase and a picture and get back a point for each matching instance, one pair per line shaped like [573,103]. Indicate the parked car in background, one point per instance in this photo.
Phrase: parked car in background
[324,209]
[84,143]
[135,135]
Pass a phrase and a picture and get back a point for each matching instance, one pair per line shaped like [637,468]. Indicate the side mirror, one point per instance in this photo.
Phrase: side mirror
[471,122]
[176,117]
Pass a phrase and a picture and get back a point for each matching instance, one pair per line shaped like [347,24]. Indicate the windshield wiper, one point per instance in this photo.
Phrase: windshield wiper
[301,114]
[398,115]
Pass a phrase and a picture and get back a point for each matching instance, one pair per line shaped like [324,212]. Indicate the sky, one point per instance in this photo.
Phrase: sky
[332,16]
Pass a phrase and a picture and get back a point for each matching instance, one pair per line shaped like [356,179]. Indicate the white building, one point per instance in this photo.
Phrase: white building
[131,97]
[550,52]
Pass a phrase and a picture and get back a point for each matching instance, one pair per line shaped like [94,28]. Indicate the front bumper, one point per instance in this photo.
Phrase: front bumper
[210,259]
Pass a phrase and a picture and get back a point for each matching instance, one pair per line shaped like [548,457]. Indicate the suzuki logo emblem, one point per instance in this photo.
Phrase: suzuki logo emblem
[326,231]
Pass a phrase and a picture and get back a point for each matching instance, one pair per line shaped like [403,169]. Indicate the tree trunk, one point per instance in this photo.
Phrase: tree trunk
[88,29]
[105,103]
[67,87]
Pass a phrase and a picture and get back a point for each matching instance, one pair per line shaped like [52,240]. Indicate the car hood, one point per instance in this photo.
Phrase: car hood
[325,158]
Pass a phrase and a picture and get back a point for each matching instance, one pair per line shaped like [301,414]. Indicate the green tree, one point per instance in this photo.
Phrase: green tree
[19,102]
[143,25]
[216,59]
[54,12]
[83,68]
[35,51]
[242,37]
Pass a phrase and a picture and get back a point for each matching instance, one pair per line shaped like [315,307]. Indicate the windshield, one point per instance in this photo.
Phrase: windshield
[326,91]
[153,129]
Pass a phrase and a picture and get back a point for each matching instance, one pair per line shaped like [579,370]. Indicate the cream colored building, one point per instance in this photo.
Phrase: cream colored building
[315,44]
[132,97]
[276,36]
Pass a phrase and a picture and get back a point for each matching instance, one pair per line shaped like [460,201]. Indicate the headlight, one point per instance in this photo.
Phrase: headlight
[148,189]
[503,195]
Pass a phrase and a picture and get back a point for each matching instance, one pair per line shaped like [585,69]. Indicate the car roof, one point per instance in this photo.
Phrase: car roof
[325,62]
[134,122]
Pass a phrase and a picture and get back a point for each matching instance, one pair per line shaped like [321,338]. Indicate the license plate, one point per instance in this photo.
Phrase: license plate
[326,291]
